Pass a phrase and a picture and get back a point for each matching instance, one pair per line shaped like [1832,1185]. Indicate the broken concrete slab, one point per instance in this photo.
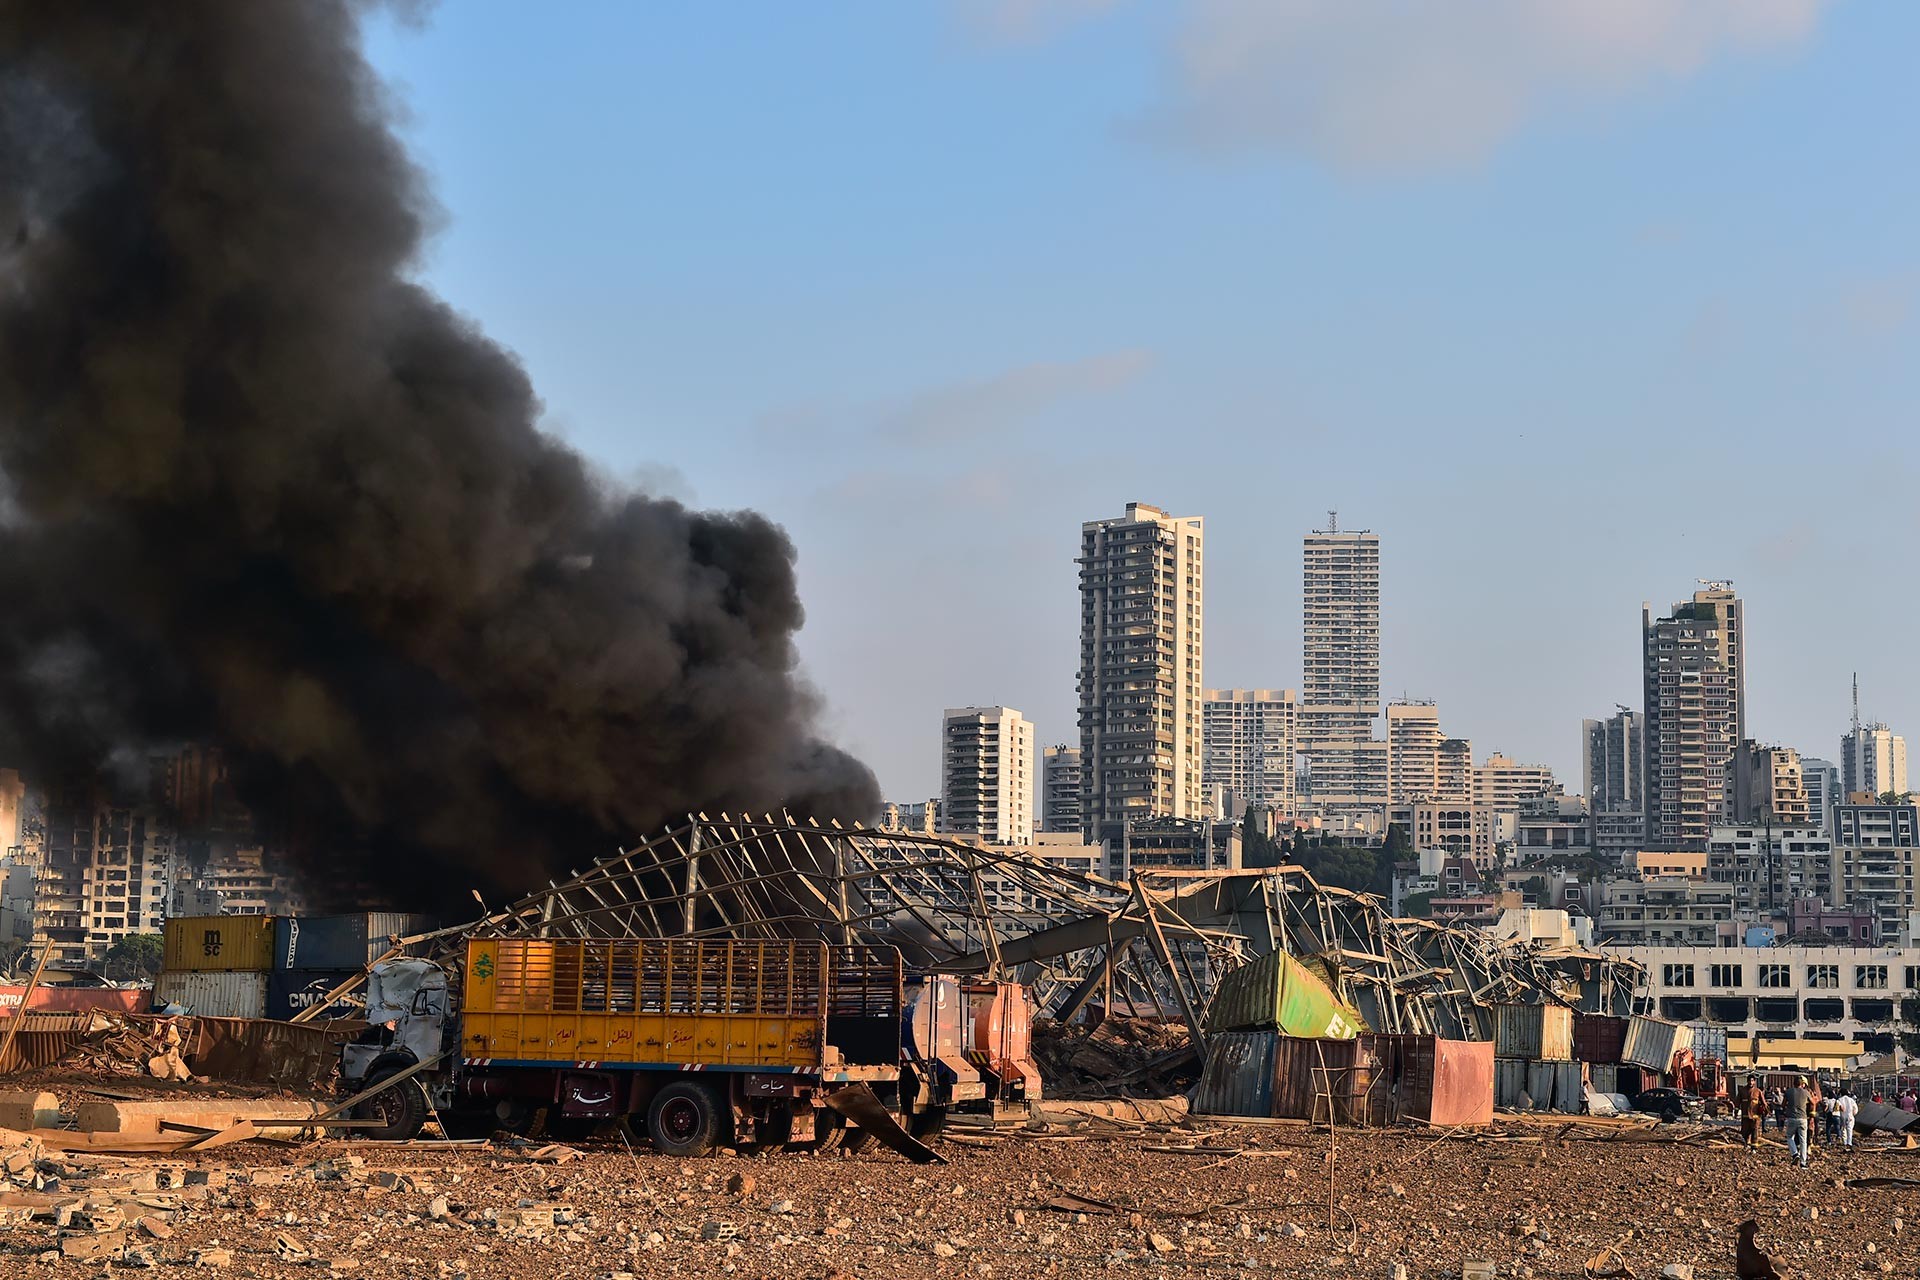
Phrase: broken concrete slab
[148,1118]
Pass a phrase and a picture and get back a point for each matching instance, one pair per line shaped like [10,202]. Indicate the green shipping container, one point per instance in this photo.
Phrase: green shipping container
[218,944]
[1277,993]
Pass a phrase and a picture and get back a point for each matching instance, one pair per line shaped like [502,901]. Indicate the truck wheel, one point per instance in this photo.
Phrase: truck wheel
[684,1120]
[928,1124]
[401,1111]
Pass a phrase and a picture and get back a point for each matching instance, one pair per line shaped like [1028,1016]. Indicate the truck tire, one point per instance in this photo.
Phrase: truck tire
[402,1111]
[684,1120]
[929,1124]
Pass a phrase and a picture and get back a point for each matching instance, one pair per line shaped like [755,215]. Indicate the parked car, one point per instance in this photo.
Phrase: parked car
[1672,1104]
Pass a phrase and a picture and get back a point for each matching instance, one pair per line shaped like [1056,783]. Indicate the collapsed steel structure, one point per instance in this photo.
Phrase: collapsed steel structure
[1157,941]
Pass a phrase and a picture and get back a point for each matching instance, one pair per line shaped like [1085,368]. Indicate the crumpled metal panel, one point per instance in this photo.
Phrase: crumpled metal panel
[1238,1078]
[256,1050]
[43,1039]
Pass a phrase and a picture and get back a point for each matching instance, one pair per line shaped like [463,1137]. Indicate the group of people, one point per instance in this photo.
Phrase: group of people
[1802,1112]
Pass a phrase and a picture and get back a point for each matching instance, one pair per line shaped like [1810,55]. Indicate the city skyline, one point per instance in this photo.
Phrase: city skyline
[1008,302]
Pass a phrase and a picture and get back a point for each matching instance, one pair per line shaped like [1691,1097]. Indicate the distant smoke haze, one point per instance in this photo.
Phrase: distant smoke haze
[266,491]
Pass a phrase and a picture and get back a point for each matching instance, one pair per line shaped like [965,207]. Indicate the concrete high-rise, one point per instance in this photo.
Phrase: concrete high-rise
[1422,762]
[1694,661]
[1822,781]
[1141,600]
[1610,762]
[1250,748]
[1873,758]
[1060,778]
[1502,783]
[1340,634]
[1768,786]
[986,774]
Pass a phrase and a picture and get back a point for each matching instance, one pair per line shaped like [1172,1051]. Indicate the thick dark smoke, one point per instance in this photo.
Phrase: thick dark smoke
[264,491]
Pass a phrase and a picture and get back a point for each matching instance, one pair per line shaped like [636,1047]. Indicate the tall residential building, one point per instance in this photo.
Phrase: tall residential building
[1340,632]
[1501,784]
[1768,786]
[986,774]
[1694,662]
[1822,781]
[105,874]
[1060,782]
[1771,867]
[1876,849]
[1873,758]
[1610,762]
[1422,762]
[1140,687]
[1250,748]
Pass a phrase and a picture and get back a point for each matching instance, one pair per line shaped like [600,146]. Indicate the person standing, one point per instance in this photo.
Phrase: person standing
[1796,1107]
[1844,1110]
[1753,1112]
[1777,1104]
[1816,1108]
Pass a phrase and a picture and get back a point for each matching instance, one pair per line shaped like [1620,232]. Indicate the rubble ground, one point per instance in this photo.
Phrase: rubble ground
[1537,1199]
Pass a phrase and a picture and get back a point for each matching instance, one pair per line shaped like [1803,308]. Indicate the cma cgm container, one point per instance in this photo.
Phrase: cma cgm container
[338,942]
[1428,1080]
[1652,1042]
[213,995]
[291,992]
[218,944]
[1598,1037]
[1541,1032]
[1277,993]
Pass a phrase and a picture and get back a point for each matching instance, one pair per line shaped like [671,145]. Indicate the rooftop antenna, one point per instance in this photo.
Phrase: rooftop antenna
[1856,704]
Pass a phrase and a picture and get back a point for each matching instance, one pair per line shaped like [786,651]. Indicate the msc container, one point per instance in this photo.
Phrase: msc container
[1652,1042]
[1238,1077]
[338,942]
[1709,1041]
[1277,993]
[218,944]
[1598,1037]
[1542,1032]
[213,994]
[1427,1080]
[294,991]
[1509,1081]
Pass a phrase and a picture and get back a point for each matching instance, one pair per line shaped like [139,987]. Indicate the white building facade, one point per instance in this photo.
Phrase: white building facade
[987,774]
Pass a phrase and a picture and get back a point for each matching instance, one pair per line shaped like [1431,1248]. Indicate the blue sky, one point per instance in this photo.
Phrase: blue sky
[1573,303]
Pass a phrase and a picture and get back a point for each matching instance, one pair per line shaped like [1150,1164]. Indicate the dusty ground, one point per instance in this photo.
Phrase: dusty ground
[1538,1204]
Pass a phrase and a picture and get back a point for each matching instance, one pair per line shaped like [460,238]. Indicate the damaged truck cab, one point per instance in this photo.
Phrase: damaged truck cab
[711,1043]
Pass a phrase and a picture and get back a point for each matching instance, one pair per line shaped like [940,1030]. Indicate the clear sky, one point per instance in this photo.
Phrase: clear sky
[1572,301]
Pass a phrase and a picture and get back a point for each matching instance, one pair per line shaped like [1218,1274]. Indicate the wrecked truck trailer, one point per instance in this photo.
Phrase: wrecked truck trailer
[707,1042]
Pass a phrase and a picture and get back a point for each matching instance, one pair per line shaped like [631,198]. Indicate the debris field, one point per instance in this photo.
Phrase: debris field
[1067,1194]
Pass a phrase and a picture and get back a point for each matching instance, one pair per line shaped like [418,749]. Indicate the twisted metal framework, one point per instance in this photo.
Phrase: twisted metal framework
[1158,941]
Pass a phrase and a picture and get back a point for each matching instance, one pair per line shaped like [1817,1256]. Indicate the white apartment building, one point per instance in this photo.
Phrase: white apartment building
[1873,760]
[1768,785]
[1501,784]
[1346,775]
[1340,634]
[1693,664]
[1821,778]
[1141,602]
[1839,993]
[1876,850]
[1250,747]
[1452,828]
[1061,778]
[1422,762]
[986,774]
[1663,911]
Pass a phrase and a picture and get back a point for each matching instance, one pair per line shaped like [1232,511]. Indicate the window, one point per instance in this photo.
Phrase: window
[1913,977]
[1724,975]
[1870,977]
[1823,976]
[1775,975]
[1676,975]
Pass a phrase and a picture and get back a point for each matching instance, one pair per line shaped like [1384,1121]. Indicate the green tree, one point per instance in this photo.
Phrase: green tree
[1417,904]
[140,952]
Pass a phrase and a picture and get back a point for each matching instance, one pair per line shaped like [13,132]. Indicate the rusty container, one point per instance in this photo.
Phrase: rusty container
[1238,1077]
[1539,1032]
[1424,1079]
[1320,1080]
[1598,1037]
[217,944]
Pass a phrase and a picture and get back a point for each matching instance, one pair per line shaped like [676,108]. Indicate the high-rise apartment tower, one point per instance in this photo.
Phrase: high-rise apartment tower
[1610,762]
[1060,775]
[1250,747]
[1694,661]
[1140,686]
[1340,635]
[986,774]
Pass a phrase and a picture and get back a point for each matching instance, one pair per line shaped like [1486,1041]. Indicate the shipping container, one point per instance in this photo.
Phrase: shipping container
[213,995]
[1598,1037]
[1605,1076]
[1238,1077]
[1509,1082]
[1556,1086]
[218,944]
[1634,1081]
[338,942]
[1320,1080]
[1541,1032]
[1709,1041]
[1277,993]
[1427,1080]
[1652,1042]
[294,991]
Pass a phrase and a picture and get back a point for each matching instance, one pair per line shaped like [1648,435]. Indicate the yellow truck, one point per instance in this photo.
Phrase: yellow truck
[713,1042]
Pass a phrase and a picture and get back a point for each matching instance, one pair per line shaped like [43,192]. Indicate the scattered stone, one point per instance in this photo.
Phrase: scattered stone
[941,1249]
[1676,1271]
[740,1184]
[213,1257]
[1161,1244]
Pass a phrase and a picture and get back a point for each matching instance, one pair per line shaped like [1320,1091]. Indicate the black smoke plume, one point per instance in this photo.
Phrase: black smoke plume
[264,490]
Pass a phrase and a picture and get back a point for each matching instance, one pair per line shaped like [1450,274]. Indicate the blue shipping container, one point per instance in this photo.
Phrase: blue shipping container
[338,942]
[294,991]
